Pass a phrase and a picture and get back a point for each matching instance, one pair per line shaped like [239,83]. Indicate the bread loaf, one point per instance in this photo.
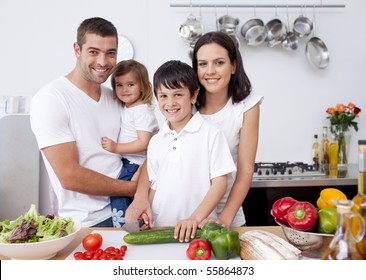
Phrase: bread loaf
[262,245]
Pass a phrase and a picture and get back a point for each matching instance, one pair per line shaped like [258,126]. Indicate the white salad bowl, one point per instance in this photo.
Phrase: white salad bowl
[42,250]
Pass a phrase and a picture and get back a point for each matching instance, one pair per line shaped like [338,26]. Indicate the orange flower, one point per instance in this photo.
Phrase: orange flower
[331,110]
[341,108]
[351,105]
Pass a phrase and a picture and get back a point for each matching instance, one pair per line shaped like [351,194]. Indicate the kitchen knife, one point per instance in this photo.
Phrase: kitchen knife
[133,226]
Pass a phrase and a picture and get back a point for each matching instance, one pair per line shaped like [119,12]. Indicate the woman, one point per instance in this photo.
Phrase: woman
[225,99]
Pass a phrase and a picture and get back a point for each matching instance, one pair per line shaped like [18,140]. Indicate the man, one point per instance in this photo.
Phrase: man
[69,116]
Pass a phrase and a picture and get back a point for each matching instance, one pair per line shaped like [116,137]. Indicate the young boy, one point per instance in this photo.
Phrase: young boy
[189,159]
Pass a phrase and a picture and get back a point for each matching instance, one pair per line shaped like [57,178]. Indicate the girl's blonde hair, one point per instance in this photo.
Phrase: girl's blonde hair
[142,76]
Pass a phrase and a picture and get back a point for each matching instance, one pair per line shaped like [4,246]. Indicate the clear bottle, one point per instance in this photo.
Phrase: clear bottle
[359,200]
[324,150]
[333,157]
[315,152]
[343,244]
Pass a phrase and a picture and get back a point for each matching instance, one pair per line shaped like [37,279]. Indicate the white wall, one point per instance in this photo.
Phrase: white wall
[37,37]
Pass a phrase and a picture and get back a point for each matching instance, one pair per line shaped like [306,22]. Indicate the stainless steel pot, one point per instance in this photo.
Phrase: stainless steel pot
[191,30]
[253,31]
[302,26]
[290,41]
[275,32]
[227,24]
[317,53]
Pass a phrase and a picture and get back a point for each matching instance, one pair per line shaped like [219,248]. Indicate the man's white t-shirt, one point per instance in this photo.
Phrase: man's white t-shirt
[61,113]
[181,166]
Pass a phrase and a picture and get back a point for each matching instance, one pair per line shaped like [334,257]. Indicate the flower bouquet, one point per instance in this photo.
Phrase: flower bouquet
[341,119]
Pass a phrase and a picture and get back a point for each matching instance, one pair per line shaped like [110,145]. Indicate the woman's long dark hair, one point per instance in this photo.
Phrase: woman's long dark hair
[239,85]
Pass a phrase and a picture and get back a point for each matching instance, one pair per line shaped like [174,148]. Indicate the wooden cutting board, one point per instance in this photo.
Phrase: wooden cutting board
[170,251]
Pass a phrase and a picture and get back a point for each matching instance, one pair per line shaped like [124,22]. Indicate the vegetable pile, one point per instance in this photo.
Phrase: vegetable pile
[92,244]
[224,243]
[32,227]
[304,216]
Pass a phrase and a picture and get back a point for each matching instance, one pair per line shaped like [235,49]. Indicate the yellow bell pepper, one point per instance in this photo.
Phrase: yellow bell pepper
[327,196]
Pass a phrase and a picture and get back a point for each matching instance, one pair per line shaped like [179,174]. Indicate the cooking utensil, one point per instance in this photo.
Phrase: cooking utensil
[305,240]
[253,31]
[316,51]
[227,24]
[290,41]
[275,31]
[191,30]
[133,226]
[302,26]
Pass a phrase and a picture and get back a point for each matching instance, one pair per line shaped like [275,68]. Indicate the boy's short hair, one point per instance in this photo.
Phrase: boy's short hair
[175,74]
[98,26]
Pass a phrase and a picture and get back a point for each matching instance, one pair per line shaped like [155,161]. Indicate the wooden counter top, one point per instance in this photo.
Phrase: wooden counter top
[84,231]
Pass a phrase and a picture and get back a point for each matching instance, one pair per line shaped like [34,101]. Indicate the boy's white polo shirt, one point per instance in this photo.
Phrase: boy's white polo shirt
[181,165]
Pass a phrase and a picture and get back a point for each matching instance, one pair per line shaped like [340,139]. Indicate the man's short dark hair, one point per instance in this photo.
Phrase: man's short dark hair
[98,26]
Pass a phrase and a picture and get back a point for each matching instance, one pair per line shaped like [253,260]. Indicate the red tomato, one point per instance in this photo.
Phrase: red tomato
[92,241]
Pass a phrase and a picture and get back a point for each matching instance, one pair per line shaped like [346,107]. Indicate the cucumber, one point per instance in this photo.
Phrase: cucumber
[154,236]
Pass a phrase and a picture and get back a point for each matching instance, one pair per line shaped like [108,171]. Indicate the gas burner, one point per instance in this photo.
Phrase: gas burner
[270,170]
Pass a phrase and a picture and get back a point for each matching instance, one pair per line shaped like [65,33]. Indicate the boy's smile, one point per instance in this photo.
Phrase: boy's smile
[176,106]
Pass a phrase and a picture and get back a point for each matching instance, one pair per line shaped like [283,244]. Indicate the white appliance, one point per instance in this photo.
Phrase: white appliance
[19,166]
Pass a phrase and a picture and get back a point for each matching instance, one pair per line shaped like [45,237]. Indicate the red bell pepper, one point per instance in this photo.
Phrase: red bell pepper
[280,208]
[199,249]
[302,215]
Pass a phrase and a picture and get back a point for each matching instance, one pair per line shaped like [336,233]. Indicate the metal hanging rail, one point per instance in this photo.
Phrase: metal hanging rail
[253,6]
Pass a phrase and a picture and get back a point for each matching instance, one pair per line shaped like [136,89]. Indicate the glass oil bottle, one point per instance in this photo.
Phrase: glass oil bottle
[333,157]
[343,244]
[324,150]
[315,152]
[359,201]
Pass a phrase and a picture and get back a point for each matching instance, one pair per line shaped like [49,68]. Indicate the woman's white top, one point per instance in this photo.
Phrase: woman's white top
[230,120]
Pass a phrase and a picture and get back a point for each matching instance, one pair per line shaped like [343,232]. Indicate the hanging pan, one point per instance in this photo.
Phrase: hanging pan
[316,51]
[302,26]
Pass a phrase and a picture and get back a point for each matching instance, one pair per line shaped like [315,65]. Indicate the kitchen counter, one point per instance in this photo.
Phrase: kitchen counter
[84,231]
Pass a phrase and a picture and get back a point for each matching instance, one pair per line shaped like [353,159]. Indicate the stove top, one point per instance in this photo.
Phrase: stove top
[282,170]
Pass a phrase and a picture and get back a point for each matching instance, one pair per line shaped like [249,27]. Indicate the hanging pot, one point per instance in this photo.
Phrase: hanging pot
[191,30]
[227,24]
[290,41]
[316,51]
[302,26]
[275,32]
[253,31]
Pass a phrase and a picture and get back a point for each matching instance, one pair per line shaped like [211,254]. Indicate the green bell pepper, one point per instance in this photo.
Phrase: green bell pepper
[225,243]
[208,228]
[327,220]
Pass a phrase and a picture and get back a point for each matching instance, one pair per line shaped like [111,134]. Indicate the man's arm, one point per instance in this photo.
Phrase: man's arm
[63,158]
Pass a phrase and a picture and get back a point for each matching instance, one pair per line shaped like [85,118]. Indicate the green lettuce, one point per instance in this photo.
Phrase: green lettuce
[32,227]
